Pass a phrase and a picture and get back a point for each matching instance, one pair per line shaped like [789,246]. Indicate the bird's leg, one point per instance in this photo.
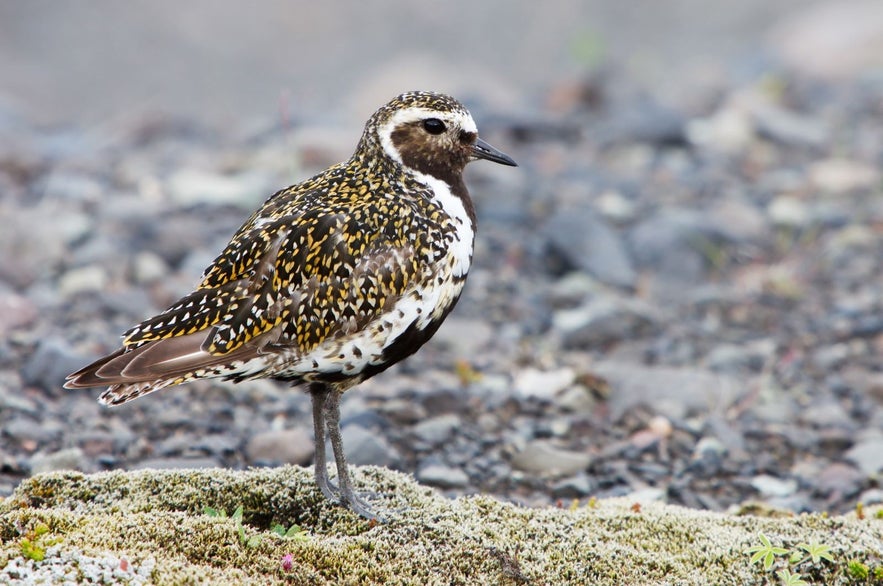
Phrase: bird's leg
[320,393]
[345,490]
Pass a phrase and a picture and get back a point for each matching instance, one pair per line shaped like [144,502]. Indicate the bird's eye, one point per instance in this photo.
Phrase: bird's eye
[433,126]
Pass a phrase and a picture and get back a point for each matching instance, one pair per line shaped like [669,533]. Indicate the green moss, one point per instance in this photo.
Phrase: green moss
[159,515]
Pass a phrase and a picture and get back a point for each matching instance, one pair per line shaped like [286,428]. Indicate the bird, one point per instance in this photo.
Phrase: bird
[330,282]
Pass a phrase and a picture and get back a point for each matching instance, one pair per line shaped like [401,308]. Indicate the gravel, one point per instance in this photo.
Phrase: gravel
[684,306]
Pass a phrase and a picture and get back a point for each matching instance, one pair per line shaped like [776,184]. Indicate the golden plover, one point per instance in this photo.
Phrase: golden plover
[330,282]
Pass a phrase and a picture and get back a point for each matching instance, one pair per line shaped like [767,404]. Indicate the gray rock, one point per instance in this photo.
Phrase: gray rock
[50,363]
[66,459]
[672,392]
[790,128]
[443,476]
[87,279]
[436,430]
[603,320]
[532,382]
[546,459]
[365,447]
[190,186]
[15,312]
[584,241]
[284,446]
[770,486]
[867,455]
[576,486]
[464,337]
[839,480]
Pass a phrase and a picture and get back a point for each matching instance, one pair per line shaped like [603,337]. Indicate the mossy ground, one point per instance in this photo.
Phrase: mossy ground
[157,517]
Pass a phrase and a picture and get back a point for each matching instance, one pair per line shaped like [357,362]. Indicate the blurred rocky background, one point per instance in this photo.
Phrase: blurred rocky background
[676,296]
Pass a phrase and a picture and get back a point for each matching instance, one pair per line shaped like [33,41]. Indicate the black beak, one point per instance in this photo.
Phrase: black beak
[482,150]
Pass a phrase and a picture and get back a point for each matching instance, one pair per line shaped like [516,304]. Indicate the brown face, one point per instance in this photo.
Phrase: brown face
[435,146]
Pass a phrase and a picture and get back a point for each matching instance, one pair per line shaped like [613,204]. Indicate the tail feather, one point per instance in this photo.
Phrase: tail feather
[132,373]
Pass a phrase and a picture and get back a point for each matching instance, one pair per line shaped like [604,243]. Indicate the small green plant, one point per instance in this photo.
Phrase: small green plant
[765,552]
[244,540]
[33,545]
[857,570]
[295,532]
[790,579]
[770,556]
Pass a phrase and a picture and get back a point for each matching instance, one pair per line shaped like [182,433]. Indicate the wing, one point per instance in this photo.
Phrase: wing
[292,282]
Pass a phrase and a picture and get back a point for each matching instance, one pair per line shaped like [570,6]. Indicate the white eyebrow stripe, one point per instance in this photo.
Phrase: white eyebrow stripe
[462,119]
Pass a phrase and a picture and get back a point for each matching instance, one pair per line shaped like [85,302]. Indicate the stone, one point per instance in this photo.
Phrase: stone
[284,446]
[672,392]
[87,279]
[50,364]
[840,176]
[189,186]
[66,459]
[16,312]
[543,458]
[576,486]
[365,447]
[443,476]
[436,430]
[584,241]
[535,383]
[867,455]
[770,486]
[603,320]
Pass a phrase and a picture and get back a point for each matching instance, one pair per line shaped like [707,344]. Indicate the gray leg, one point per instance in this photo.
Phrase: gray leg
[319,393]
[347,496]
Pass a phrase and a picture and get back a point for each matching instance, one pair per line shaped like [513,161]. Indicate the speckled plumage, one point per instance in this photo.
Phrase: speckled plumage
[331,280]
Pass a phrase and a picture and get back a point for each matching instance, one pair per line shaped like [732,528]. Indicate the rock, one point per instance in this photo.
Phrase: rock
[770,486]
[50,363]
[464,337]
[148,267]
[576,486]
[246,190]
[837,39]
[66,459]
[790,128]
[284,446]
[665,244]
[436,430]
[15,312]
[87,279]
[546,459]
[443,476]
[839,480]
[584,241]
[840,176]
[789,212]
[603,320]
[614,206]
[729,130]
[365,447]
[534,383]
[672,392]
[867,455]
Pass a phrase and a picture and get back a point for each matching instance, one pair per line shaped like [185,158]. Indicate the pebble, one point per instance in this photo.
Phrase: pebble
[436,430]
[770,486]
[88,279]
[546,459]
[585,241]
[66,459]
[284,446]
[365,447]
[188,186]
[535,383]
[837,176]
[603,320]
[50,364]
[867,455]
[442,476]
[15,312]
